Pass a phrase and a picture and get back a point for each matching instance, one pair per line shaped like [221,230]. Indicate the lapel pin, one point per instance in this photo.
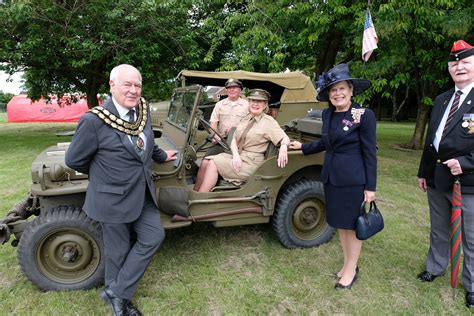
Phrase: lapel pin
[469,102]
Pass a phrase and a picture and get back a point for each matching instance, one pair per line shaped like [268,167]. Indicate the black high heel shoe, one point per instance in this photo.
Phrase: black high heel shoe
[340,286]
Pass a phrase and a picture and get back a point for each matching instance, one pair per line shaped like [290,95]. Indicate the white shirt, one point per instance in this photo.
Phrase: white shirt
[442,123]
[123,112]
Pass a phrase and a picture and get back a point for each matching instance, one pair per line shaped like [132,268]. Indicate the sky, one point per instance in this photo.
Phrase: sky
[10,87]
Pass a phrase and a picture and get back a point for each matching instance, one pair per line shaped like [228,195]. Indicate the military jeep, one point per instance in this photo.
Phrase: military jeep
[60,247]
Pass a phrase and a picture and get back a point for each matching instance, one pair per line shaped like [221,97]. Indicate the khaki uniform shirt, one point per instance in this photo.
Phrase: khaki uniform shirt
[228,114]
[252,147]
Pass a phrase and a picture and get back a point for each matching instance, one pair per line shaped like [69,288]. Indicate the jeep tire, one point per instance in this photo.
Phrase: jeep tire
[300,216]
[63,250]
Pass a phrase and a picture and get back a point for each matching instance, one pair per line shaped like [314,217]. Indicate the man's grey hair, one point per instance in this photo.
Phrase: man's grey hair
[117,69]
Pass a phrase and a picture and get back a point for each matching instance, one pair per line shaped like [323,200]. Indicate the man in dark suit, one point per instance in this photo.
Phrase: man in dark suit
[448,155]
[114,145]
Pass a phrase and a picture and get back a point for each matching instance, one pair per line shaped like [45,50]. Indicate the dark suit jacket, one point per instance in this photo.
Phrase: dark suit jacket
[118,177]
[457,143]
[350,157]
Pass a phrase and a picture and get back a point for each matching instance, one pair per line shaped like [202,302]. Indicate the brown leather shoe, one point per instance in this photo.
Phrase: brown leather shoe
[117,304]
[426,276]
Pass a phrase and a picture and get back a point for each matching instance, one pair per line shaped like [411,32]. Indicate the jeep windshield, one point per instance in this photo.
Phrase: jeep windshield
[181,107]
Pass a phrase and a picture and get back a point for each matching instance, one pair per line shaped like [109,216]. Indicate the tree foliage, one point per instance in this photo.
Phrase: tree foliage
[71,45]
[66,46]
[410,64]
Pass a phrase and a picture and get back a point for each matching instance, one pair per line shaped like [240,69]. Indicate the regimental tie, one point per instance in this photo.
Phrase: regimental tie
[137,141]
[452,111]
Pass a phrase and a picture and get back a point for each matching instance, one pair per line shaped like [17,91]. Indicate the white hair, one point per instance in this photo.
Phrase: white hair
[116,70]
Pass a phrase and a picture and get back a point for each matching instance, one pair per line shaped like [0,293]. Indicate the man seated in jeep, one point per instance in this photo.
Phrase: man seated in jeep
[250,141]
[227,113]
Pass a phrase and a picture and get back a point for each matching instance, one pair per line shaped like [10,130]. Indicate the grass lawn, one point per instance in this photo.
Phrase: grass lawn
[201,270]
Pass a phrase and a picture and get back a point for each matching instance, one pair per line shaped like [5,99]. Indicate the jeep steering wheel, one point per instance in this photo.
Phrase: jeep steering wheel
[208,128]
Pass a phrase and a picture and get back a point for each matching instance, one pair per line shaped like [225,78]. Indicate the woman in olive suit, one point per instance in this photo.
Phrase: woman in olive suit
[350,165]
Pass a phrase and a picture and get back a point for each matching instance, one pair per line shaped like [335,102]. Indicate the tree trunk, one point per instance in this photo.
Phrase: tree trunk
[92,100]
[393,97]
[92,91]
[327,56]
[420,127]
[379,108]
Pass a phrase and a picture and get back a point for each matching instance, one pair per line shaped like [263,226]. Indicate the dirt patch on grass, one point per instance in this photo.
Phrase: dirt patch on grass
[238,263]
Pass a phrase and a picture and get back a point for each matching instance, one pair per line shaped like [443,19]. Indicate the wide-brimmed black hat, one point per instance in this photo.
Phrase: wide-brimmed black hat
[337,74]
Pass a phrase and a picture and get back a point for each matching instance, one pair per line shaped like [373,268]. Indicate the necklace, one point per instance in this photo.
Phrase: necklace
[113,121]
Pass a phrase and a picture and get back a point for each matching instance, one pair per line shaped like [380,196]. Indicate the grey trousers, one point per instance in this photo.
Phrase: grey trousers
[438,257]
[126,262]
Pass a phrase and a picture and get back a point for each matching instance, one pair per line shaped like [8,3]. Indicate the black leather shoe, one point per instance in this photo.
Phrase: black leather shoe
[132,310]
[118,305]
[470,299]
[335,276]
[340,286]
[425,276]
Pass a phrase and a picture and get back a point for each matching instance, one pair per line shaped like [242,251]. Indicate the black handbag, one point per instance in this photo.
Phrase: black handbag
[369,223]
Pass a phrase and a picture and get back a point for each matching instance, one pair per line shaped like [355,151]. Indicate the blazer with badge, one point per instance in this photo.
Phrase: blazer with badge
[350,157]
[118,177]
[457,143]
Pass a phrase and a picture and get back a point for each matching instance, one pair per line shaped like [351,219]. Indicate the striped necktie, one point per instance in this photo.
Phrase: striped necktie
[137,141]
[452,111]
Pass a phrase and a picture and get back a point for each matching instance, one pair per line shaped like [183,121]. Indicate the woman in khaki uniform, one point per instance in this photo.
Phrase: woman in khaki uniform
[248,146]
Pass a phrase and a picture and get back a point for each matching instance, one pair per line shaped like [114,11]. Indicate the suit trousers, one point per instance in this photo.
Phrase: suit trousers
[126,261]
[440,217]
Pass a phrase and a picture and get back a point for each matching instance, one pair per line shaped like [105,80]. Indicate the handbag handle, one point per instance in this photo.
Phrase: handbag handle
[363,209]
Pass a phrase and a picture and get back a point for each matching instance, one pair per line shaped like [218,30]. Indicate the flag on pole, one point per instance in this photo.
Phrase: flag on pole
[370,39]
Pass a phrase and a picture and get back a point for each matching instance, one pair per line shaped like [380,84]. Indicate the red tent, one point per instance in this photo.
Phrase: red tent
[22,109]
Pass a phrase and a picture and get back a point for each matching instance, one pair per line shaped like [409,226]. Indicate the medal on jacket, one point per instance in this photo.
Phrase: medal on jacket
[346,124]
[140,143]
[468,122]
[356,114]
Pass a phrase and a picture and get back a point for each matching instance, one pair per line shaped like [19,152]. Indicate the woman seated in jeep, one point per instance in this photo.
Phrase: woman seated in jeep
[250,141]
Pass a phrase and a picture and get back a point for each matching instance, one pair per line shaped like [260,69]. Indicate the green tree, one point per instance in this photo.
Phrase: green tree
[5,97]
[70,46]
[414,40]
[270,36]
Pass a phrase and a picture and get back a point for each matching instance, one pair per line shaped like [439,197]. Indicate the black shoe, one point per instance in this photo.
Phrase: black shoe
[117,304]
[335,276]
[132,310]
[470,299]
[425,276]
[340,286]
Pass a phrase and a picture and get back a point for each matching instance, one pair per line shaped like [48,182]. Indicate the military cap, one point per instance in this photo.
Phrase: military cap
[460,50]
[232,82]
[259,94]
